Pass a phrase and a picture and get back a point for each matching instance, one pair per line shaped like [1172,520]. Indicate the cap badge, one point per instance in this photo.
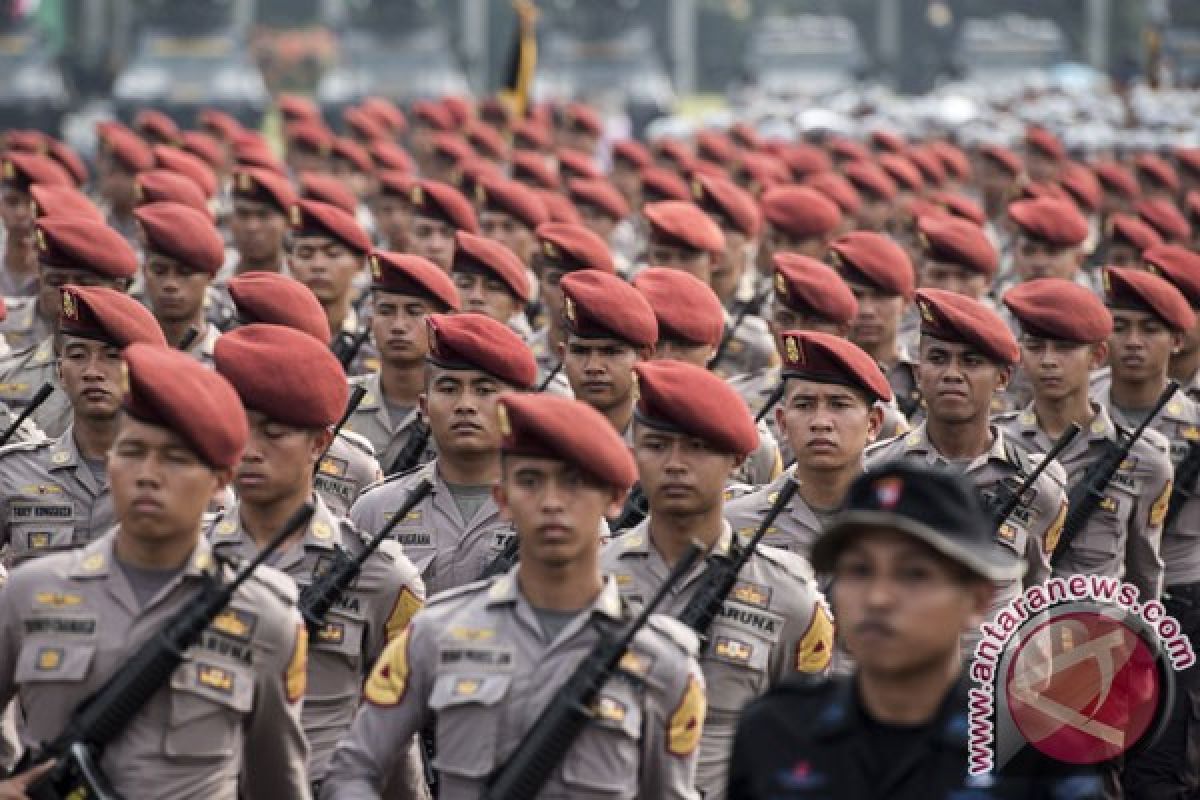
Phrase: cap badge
[887,492]
[1107,279]
[835,258]
[417,196]
[244,182]
[549,250]
[697,189]
[781,284]
[502,419]
[480,194]
[923,240]
[569,309]
[123,382]
[376,271]
[41,239]
[10,171]
[792,347]
[926,312]
[138,191]
[297,216]
[69,309]
[635,389]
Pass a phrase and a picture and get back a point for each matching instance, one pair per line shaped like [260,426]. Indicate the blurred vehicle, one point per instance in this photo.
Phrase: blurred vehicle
[189,56]
[1007,47]
[804,55]
[33,93]
[399,49]
[292,43]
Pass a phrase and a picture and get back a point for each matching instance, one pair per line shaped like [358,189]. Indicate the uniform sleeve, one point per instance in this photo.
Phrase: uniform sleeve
[10,642]
[1143,560]
[395,700]
[1044,538]
[671,736]
[404,597]
[806,642]
[275,750]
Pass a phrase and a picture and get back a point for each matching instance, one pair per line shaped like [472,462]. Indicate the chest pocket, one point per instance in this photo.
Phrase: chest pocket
[37,525]
[52,661]
[737,658]
[597,765]
[1101,542]
[468,722]
[209,698]
[417,541]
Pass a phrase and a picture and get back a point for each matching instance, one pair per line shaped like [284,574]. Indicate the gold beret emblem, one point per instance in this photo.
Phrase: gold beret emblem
[297,216]
[123,383]
[376,270]
[835,259]
[69,309]
[923,240]
[480,195]
[926,311]
[549,250]
[697,189]
[781,284]
[244,182]
[1107,281]
[41,239]
[417,196]
[792,348]
[502,419]
[569,309]
[10,171]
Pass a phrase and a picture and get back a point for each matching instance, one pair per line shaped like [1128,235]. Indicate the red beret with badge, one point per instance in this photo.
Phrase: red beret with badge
[1052,220]
[837,189]
[325,188]
[559,207]
[182,233]
[75,243]
[685,307]
[957,241]
[825,358]
[1128,228]
[107,315]
[264,186]
[581,117]
[1058,309]
[809,286]
[633,153]
[205,147]
[905,174]
[659,184]
[1002,157]
[165,186]
[683,224]
[277,299]
[535,170]
[1138,290]
[402,273]
[22,169]
[1165,218]
[1155,169]
[734,206]
[473,252]
[599,305]
[574,164]
[800,212]
[63,201]
[441,201]
[953,317]
[870,179]
[1117,179]
[599,194]
[188,165]
[124,146]
[497,193]
[478,342]
[1179,265]
[568,246]
[313,218]
[683,398]
[1045,143]
[874,259]
[154,124]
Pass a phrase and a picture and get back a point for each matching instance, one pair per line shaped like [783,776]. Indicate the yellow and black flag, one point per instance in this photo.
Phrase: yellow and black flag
[522,59]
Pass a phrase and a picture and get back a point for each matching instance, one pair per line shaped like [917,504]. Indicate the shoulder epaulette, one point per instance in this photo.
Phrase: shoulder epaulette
[24,446]
[397,476]
[277,583]
[474,587]
[358,441]
[681,635]
[795,564]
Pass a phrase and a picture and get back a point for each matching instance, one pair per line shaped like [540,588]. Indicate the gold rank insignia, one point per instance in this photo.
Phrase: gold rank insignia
[1108,504]
[54,599]
[608,708]
[215,678]
[232,622]
[1158,511]
[549,250]
[389,679]
[1106,280]
[792,348]
[40,235]
[480,194]
[321,530]
[502,419]
[244,182]
[39,540]
[226,528]
[10,170]
[463,633]
[296,675]
[569,309]
[634,664]
[732,649]
[687,721]
[697,189]
[466,687]
[61,457]
[751,594]
[815,649]
[376,271]
[1191,433]
[781,284]
[93,562]
[49,658]
[926,311]
[295,215]
[416,196]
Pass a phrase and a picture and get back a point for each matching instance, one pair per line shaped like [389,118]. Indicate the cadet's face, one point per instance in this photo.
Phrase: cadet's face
[698,355]
[550,293]
[160,486]
[900,607]
[728,269]
[326,266]
[956,381]
[953,278]
[827,426]
[432,239]
[783,319]
[398,327]
[555,508]
[777,241]
[16,212]
[1191,342]
[302,159]
[508,231]
[878,317]
[52,279]
[278,460]
[114,182]
[485,293]
[91,376]
[625,178]
[351,178]
[393,216]
[696,263]
[680,474]
[460,405]
[1033,258]
[1057,369]
[258,230]
[874,214]
[600,371]
[175,290]
[1140,346]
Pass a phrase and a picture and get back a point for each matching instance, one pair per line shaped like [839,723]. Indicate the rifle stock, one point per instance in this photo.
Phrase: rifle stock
[34,404]
[1006,501]
[356,396]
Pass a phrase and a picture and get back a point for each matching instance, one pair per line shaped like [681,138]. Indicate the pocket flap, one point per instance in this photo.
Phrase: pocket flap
[50,661]
[203,686]
[450,691]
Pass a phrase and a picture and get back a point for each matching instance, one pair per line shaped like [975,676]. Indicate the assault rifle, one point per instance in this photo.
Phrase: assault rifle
[34,404]
[356,396]
[1186,475]
[731,331]
[1004,500]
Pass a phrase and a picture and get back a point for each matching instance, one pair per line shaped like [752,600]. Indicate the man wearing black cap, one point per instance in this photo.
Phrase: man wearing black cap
[913,561]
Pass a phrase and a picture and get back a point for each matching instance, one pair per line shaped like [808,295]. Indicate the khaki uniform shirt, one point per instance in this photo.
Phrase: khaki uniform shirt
[1123,535]
[752,348]
[794,530]
[23,327]
[49,499]
[476,664]
[373,421]
[23,374]
[346,470]
[379,604]
[773,624]
[69,621]
[204,344]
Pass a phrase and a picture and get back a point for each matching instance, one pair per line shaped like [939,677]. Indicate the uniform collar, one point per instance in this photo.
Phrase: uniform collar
[917,441]
[206,343]
[64,454]
[373,399]
[97,558]
[505,591]
[321,534]
[1100,428]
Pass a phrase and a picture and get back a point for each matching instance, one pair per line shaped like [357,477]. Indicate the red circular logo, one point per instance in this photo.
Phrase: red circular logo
[1083,687]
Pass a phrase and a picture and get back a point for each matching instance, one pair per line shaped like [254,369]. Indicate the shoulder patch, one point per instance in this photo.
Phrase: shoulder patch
[687,720]
[388,680]
[814,651]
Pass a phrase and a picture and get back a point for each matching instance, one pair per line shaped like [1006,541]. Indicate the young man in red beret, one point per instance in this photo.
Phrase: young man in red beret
[602,209]
[491,280]
[405,290]
[563,469]
[737,215]
[1064,333]
[271,366]
[438,212]
[120,156]
[689,435]
[797,220]
[457,530]
[610,328]
[510,212]
[19,171]
[1181,268]
[54,492]
[227,724]
[258,225]
[1047,242]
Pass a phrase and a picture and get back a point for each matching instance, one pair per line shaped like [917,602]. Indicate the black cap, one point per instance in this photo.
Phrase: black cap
[933,505]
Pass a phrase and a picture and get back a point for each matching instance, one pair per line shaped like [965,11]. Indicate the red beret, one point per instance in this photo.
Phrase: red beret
[844,150]
[599,305]
[825,358]
[24,141]
[837,189]
[364,125]
[1179,265]
[442,201]
[459,108]
[63,201]
[183,234]
[560,208]
[960,206]
[632,152]
[163,185]
[870,179]
[561,429]
[388,155]
[691,400]
[806,285]
[534,169]
[498,193]
[684,224]
[1188,158]
[352,153]
[685,307]
[70,161]
[1139,290]
[452,147]
[745,136]
[1165,218]
[205,147]
[929,164]
[489,255]
[397,183]
[1006,159]
[295,107]
[529,134]
[473,341]
[1115,178]
[800,211]
[874,258]
[953,317]
[888,141]
[1055,221]
[1044,142]
[956,241]
[187,165]
[1158,171]
[385,112]
[432,114]
[76,243]
[662,184]
[583,118]
[803,160]
[271,366]
[309,135]
[314,218]
[325,188]
[729,202]
[1129,228]
[574,164]
[708,168]
[902,171]
[569,246]
[954,161]
[1053,308]
[600,194]
[264,186]
[1081,183]
[170,389]
[23,169]
[224,126]
[152,123]
[716,147]
[276,299]
[673,154]
[487,141]
[401,273]
[125,146]
[107,315]
[1192,204]
[259,158]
